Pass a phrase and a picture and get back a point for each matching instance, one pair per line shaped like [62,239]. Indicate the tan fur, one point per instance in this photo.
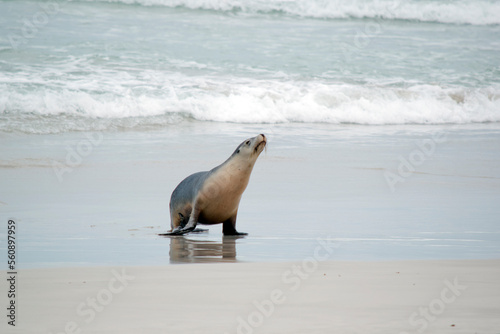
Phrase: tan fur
[218,198]
[221,194]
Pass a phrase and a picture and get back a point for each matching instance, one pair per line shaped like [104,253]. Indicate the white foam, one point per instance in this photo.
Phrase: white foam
[73,96]
[477,12]
[165,98]
[271,102]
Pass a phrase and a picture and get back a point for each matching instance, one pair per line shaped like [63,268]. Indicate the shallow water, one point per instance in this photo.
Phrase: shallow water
[314,182]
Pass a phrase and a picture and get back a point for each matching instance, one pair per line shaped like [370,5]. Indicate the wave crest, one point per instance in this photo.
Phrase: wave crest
[246,101]
[482,12]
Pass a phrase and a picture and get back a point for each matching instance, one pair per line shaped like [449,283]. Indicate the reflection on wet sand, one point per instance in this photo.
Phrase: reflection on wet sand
[183,250]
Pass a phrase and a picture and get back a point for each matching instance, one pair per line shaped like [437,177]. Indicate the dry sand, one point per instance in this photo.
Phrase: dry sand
[303,297]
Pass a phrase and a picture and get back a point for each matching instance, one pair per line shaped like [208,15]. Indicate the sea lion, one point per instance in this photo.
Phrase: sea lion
[213,197]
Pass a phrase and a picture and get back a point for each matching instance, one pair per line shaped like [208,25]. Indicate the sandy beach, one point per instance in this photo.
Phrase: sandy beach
[297,297]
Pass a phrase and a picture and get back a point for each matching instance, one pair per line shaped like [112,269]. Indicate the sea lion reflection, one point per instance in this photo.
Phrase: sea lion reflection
[183,250]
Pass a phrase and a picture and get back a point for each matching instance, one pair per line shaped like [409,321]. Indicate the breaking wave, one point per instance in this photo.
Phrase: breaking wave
[482,12]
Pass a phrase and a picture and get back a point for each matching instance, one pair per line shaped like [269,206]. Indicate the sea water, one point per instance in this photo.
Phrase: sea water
[325,80]
[64,64]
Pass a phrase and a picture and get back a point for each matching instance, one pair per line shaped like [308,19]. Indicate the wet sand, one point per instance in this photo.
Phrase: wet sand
[362,187]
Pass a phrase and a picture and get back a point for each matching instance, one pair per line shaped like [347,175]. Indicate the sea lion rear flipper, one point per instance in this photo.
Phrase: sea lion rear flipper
[228,227]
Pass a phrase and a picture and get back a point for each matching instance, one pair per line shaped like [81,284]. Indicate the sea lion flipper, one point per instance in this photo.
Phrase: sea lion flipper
[229,228]
[199,230]
[174,233]
[183,231]
[186,228]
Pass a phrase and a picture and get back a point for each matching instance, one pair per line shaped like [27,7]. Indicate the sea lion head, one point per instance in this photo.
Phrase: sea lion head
[251,148]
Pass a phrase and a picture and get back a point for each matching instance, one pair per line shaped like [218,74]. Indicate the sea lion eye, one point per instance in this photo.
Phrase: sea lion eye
[248,142]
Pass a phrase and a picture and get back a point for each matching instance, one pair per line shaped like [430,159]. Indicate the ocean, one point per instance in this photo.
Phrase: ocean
[85,65]
[157,89]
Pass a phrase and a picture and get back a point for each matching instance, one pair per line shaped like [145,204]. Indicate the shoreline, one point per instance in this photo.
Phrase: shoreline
[362,187]
[431,296]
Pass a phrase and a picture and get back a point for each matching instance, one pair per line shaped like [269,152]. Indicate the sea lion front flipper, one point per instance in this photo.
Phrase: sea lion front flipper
[176,231]
[182,232]
[189,227]
[199,230]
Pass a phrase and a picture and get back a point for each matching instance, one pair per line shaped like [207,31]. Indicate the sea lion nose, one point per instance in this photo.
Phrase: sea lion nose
[263,135]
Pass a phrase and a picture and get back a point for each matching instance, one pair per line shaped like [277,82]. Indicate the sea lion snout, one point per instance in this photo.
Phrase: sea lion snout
[261,143]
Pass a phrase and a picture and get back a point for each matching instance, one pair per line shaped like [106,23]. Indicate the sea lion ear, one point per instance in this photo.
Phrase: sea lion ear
[238,151]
